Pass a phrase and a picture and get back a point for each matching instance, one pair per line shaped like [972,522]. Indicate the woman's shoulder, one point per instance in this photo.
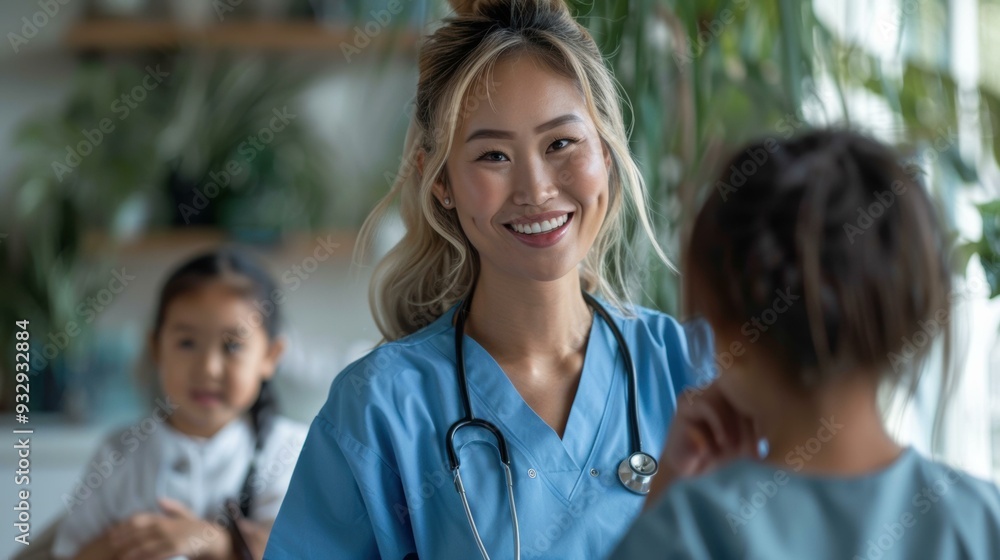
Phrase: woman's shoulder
[396,365]
[687,345]
[652,321]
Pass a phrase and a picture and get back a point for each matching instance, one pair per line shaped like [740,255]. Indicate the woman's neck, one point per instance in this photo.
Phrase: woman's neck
[836,429]
[518,320]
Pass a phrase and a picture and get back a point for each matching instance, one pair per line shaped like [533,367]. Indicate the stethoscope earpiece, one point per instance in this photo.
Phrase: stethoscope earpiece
[637,471]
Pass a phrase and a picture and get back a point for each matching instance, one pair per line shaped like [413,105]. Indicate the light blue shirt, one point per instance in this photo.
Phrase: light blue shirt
[915,508]
[373,478]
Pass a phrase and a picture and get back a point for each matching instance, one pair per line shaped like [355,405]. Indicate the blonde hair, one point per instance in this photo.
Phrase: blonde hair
[434,265]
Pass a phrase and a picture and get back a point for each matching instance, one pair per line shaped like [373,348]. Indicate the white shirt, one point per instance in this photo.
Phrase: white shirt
[137,465]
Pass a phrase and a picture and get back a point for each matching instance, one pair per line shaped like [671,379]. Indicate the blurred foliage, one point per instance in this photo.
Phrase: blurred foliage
[988,247]
[242,114]
[129,147]
[704,77]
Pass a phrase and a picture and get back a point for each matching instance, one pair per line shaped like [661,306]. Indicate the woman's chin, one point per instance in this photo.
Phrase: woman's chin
[541,268]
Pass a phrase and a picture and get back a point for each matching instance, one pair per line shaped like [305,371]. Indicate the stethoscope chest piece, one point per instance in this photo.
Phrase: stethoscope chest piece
[637,472]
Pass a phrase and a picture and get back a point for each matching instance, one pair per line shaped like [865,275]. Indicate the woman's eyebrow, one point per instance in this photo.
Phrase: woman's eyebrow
[507,135]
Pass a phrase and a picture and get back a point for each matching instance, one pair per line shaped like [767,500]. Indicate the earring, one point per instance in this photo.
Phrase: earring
[447,202]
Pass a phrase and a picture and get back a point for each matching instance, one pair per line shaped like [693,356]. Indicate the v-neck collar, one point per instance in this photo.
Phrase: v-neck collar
[495,398]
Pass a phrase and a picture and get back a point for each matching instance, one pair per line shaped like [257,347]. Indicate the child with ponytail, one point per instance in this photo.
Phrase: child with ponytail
[203,475]
[839,303]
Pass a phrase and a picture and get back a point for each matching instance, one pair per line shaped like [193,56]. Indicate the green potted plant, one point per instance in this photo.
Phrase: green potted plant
[109,160]
[75,177]
[703,77]
[238,153]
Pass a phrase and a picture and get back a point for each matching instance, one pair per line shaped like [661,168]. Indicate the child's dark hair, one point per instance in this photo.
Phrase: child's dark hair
[836,224]
[251,280]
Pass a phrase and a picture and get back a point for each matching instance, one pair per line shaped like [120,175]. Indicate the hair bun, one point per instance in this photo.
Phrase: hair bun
[478,7]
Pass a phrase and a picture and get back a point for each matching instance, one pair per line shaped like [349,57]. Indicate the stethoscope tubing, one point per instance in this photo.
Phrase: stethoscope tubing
[470,420]
[463,384]
[633,405]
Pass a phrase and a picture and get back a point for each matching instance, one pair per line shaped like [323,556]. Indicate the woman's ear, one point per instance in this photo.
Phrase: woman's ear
[440,188]
[275,350]
[442,195]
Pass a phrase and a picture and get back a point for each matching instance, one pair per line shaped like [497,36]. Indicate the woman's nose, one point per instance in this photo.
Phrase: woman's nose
[535,182]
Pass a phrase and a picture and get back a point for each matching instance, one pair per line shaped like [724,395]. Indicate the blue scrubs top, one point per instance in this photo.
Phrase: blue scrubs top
[373,478]
[915,508]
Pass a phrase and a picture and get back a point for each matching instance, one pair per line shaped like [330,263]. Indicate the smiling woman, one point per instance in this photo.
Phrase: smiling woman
[499,366]
[485,97]
[530,159]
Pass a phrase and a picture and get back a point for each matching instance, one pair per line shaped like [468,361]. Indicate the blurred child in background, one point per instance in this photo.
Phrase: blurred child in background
[824,306]
[204,474]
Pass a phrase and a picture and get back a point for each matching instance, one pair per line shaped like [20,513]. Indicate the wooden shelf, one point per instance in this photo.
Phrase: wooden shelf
[280,36]
[165,240]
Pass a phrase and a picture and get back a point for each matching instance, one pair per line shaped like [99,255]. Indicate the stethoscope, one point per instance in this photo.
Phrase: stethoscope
[635,472]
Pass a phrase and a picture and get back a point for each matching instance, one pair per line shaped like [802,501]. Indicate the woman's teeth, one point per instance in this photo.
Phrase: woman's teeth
[541,227]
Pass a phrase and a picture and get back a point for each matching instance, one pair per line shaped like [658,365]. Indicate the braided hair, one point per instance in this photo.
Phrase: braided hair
[252,280]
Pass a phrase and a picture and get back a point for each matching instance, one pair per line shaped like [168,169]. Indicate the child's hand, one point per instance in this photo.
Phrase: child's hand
[255,533]
[706,432]
[176,532]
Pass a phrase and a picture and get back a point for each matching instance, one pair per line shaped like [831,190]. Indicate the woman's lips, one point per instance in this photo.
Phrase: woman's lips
[542,240]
